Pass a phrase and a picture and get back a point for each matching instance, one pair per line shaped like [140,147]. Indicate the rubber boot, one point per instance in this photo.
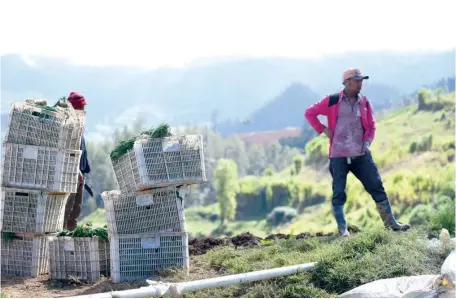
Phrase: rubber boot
[340,219]
[386,213]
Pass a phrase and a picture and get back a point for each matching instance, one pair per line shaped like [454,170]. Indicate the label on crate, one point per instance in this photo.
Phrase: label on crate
[149,243]
[30,152]
[171,145]
[144,199]
[68,244]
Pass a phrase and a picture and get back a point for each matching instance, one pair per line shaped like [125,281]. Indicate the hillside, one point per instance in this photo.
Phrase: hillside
[414,150]
[236,88]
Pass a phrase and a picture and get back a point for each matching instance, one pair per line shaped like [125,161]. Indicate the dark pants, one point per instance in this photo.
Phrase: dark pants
[364,169]
[73,208]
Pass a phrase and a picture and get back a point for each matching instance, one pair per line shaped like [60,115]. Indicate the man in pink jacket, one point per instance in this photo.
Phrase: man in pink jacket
[351,130]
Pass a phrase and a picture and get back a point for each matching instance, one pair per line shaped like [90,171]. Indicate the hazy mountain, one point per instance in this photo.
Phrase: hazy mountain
[287,109]
[235,87]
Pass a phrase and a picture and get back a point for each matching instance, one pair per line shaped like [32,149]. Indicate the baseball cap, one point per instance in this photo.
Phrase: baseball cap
[353,73]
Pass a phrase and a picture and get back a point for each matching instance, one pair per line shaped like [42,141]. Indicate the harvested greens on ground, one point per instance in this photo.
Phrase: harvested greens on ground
[163,130]
[86,231]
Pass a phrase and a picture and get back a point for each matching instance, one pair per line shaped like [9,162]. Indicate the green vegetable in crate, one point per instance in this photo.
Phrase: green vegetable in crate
[6,236]
[86,231]
[42,104]
[163,130]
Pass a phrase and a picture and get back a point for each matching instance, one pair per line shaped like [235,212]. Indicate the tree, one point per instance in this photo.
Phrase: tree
[269,171]
[257,157]
[226,187]
[273,154]
[236,151]
[214,120]
[422,95]
[297,162]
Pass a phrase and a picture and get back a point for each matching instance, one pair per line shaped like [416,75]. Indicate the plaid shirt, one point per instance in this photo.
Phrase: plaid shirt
[348,136]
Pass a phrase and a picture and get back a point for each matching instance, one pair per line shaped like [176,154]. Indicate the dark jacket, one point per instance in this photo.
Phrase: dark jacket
[84,164]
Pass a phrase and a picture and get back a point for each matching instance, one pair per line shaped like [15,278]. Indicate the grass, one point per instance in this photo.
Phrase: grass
[343,264]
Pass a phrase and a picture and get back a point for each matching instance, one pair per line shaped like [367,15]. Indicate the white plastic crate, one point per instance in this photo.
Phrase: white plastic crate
[38,167]
[73,131]
[25,255]
[32,125]
[81,258]
[160,162]
[153,211]
[136,257]
[31,211]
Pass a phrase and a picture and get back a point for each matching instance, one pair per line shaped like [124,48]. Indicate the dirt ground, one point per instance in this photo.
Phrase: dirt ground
[198,246]
[44,287]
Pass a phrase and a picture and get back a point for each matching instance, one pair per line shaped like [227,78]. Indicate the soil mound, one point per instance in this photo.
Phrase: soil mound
[199,246]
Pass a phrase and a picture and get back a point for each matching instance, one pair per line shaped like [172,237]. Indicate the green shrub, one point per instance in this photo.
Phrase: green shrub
[268,171]
[444,215]
[420,215]
[423,145]
[280,215]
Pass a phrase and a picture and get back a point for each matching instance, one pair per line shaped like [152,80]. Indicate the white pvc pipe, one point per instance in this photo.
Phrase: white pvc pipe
[177,289]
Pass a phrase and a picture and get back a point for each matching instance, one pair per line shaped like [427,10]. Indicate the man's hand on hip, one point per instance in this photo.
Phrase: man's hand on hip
[366,147]
[328,132]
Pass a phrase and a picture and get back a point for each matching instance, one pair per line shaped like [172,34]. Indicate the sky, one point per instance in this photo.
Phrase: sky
[173,33]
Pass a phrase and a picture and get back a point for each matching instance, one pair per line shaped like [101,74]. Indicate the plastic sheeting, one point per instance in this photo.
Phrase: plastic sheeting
[449,267]
[423,286]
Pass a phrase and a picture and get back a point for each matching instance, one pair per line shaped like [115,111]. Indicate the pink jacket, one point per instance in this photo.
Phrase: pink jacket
[329,107]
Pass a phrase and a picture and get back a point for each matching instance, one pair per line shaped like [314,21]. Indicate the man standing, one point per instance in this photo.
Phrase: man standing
[74,205]
[351,130]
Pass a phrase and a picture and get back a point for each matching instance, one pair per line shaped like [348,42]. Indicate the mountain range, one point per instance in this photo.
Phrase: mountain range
[270,93]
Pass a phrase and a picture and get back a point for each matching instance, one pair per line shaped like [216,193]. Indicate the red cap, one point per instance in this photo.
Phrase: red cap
[77,100]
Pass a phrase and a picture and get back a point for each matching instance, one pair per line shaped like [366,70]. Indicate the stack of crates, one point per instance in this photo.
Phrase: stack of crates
[40,157]
[146,223]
